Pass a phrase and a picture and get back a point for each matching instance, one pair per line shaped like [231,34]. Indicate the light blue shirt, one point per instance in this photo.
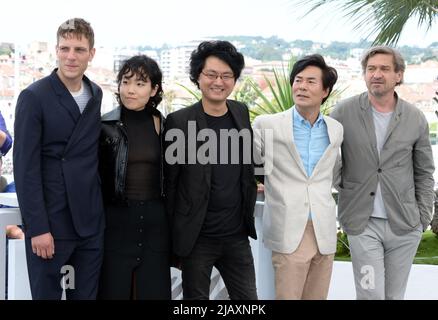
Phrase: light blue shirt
[310,141]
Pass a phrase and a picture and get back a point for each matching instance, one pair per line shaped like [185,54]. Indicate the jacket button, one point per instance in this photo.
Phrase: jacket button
[372,194]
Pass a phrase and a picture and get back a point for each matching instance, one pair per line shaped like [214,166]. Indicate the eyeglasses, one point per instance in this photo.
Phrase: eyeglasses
[211,75]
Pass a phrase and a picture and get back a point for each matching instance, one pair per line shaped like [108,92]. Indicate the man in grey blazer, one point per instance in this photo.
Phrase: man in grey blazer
[299,218]
[386,189]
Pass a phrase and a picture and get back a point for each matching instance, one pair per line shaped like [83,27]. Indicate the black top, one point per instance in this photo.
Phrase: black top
[223,218]
[143,171]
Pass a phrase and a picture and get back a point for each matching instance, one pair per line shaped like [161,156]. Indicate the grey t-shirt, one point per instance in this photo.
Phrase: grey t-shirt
[381,123]
[82,96]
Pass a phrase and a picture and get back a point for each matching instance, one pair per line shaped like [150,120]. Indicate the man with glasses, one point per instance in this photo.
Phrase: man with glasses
[211,199]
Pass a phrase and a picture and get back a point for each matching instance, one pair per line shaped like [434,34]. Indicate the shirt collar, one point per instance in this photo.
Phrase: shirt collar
[299,118]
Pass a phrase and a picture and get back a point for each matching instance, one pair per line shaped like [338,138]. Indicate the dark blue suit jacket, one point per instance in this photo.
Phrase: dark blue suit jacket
[56,161]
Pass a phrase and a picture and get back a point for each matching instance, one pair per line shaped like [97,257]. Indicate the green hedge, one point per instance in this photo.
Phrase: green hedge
[427,252]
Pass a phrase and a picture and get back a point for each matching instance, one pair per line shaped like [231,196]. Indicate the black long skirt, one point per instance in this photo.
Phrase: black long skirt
[136,262]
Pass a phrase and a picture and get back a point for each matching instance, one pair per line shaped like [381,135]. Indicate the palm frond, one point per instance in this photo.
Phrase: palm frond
[279,89]
[196,95]
[383,18]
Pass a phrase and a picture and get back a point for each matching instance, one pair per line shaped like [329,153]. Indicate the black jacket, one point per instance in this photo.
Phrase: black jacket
[113,156]
[188,185]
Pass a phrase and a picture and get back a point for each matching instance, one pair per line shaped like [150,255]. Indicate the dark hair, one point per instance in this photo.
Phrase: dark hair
[77,27]
[145,68]
[399,62]
[222,50]
[329,74]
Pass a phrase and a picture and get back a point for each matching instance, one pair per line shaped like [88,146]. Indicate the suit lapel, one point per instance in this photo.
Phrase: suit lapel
[201,123]
[395,120]
[235,115]
[84,118]
[286,130]
[65,98]
[330,130]
[368,122]
[332,140]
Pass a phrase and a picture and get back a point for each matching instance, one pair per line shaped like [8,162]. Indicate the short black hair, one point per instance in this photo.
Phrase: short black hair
[145,68]
[329,74]
[222,50]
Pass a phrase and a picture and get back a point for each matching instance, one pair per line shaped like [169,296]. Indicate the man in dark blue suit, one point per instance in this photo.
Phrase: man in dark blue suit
[57,127]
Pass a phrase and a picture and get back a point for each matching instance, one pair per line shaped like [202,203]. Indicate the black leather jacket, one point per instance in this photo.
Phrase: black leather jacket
[113,156]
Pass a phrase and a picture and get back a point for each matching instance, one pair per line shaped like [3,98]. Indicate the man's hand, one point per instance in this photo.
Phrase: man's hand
[14,232]
[43,245]
[260,188]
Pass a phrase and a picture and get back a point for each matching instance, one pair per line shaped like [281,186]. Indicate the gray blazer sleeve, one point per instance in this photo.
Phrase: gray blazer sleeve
[423,175]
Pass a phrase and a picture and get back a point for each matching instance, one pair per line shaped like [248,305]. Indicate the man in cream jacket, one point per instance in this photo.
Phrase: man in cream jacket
[299,149]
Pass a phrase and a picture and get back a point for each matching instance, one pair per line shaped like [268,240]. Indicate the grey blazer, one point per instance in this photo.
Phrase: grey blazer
[405,168]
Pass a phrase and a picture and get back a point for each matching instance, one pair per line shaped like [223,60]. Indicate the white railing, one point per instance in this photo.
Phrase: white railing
[7,216]
[18,281]
[341,288]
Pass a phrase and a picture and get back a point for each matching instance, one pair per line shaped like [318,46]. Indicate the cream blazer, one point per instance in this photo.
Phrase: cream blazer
[289,193]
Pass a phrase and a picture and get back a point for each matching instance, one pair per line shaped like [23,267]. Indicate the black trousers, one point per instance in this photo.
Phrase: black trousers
[136,263]
[234,261]
[79,260]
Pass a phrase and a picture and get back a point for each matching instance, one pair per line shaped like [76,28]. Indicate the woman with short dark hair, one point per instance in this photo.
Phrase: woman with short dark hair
[136,261]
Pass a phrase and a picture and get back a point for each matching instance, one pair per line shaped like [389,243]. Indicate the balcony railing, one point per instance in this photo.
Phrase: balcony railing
[18,281]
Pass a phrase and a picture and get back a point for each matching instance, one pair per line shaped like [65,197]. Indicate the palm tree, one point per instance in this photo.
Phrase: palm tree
[280,97]
[387,18]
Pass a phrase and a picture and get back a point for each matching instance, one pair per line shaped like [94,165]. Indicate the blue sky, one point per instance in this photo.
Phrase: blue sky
[142,22]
